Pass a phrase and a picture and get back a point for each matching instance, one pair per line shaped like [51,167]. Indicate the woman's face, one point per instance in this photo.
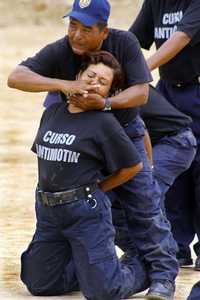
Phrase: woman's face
[99,74]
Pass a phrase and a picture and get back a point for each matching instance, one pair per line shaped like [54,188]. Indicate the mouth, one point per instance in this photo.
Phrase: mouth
[94,91]
[78,49]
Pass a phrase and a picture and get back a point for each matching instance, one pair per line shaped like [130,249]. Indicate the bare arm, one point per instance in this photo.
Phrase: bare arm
[24,79]
[168,50]
[134,96]
[148,147]
[119,177]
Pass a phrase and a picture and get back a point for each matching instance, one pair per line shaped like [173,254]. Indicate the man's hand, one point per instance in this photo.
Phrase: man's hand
[88,102]
[81,87]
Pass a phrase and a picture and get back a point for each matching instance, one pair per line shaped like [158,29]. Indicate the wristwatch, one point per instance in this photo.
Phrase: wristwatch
[107,105]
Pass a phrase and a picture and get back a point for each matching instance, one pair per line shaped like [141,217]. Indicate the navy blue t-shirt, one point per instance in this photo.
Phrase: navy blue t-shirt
[57,60]
[73,148]
[162,118]
[157,21]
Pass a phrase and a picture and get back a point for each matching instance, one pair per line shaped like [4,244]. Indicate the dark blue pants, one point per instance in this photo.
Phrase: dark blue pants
[195,292]
[185,211]
[172,155]
[137,202]
[183,198]
[137,215]
[73,247]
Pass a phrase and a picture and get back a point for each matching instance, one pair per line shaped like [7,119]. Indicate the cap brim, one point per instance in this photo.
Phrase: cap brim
[83,18]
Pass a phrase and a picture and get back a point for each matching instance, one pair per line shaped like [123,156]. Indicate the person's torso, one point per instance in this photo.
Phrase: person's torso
[185,67]
[68,152]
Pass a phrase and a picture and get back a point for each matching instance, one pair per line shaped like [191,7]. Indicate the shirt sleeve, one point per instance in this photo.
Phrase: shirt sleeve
[33,147]
[135,69]
[190,23]
[143,26]
[118,150]
[44,62]
[47,113]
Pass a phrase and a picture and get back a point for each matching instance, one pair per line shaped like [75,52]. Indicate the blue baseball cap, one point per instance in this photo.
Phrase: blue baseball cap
[90,12]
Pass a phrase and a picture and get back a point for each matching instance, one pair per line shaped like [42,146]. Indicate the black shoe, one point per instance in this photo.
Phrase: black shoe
[197,264]
[137,264]
[185,261]
[161,290]
[184,257]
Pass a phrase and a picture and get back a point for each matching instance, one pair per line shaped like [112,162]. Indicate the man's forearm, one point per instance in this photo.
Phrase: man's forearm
[134,96]
[24,79]
[168,50]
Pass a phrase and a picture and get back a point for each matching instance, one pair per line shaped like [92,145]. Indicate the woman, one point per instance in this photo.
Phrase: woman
[73,245]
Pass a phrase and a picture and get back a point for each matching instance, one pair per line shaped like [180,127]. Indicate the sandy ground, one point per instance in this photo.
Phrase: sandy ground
[22,33]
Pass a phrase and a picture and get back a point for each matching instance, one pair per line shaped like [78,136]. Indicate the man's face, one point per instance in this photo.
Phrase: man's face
[84,39]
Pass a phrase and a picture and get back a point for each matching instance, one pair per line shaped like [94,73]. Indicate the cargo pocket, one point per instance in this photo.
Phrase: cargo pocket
[98,237]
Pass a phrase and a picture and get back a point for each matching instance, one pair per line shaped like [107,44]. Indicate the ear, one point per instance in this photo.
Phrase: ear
[105,32]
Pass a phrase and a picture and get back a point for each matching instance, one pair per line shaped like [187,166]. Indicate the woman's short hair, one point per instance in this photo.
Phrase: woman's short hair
[108,60]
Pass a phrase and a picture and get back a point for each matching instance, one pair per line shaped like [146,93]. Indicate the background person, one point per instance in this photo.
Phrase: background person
[174,26]
[174,145]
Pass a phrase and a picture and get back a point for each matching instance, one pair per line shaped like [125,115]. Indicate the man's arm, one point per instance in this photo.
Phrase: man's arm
[168,50]
[24,79]
[134,96]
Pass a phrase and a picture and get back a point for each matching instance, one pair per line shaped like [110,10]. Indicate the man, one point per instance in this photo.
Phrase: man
[174,145]
[55,67]
[174,26]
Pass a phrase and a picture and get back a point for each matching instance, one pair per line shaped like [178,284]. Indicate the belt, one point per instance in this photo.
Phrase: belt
[185,84]
[179,131]
[59,198]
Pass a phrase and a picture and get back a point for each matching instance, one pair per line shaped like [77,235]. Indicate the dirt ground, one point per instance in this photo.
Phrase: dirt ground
[25,27]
